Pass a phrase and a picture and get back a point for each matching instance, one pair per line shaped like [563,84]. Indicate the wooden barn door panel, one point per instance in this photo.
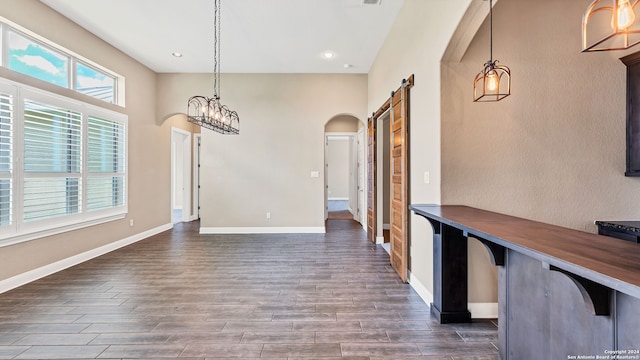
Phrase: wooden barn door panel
[400,181]
[371,179]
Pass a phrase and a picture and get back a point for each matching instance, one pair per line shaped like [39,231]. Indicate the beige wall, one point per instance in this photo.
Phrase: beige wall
[267,168]
[343,123]
[149,144]
[554,151]
[415,46]
[338,157]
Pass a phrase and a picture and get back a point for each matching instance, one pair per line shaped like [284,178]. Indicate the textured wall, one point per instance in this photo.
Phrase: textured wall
[553,151]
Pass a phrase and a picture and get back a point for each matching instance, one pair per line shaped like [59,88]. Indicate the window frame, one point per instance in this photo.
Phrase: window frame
[7,26]
[21,231]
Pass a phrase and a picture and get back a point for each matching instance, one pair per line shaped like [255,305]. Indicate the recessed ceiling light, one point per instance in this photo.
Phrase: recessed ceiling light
[176,54]
[328,55]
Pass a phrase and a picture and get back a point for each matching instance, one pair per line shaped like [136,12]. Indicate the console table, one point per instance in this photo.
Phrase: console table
[561,292]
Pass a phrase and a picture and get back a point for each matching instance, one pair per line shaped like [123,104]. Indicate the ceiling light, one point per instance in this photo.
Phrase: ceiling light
[610,25]
[493,83]
[347,66]
[209,112]
[328,55]
[177,54]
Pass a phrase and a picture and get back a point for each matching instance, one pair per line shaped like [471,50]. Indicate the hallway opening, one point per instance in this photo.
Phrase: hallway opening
[344,169]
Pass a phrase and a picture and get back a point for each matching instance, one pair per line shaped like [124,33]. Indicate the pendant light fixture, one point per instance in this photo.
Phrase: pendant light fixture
[493,83]
[209,112]
[610,25]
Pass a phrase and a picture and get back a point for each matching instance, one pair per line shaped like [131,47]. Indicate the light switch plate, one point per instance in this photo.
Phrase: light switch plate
[315,174]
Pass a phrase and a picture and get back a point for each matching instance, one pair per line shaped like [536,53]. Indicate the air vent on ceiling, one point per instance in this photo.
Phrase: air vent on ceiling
[371,2]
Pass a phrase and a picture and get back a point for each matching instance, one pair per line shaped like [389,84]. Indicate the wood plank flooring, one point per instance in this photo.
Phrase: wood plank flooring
[189,296]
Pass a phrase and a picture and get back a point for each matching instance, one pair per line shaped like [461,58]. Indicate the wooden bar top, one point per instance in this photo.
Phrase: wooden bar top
[605,260]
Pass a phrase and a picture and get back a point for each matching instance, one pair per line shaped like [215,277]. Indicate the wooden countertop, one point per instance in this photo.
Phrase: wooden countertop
[605,260]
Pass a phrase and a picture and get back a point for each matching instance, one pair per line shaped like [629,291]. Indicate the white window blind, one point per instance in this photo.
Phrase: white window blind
[63,164]
[52,161]
[6,159]
[105,163]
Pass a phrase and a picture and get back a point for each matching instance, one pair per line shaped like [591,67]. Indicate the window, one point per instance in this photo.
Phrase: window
[52,169]
[95,83]
[6,158]
[37,60]
[36,57]
[105,164]
[71,170]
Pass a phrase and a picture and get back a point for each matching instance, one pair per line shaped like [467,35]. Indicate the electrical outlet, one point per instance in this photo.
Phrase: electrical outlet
[427,177]
[268,215]
[131,222]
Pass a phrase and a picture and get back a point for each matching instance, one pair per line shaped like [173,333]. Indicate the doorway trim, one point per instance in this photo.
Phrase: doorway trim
[353,169]
[177,134]
[382,182]
[197,139]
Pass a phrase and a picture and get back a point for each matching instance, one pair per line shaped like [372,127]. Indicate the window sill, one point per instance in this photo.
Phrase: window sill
[33,234]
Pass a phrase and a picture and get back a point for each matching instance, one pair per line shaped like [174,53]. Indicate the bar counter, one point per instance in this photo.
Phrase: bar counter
[561,292]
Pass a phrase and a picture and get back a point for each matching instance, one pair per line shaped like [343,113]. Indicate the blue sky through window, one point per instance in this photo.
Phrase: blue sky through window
[33,59]
[94,83]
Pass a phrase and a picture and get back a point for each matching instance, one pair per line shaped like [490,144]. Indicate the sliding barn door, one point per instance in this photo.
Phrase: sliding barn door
[371,179]
[399,215]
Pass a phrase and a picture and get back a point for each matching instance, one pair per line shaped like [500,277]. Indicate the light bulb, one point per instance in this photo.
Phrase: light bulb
[492,82]
[625,15]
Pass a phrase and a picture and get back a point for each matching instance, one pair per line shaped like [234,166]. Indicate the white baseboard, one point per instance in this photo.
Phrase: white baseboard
[262,230]
[422,290]
[478,310]
[338,198]
[35,274]
[386,247]
[379,239]
[484,310]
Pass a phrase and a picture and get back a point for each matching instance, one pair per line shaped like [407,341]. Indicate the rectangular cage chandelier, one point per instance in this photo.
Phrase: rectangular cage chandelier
[209,112]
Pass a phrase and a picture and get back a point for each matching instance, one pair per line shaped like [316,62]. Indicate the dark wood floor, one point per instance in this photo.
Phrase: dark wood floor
[184,295]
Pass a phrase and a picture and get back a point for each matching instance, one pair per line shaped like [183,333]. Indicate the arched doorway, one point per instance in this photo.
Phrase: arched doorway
[345,169]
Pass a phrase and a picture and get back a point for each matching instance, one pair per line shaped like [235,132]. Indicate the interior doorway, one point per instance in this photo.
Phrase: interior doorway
[340,174]
[180,175]
[383,190]
[344,169]
[396,109]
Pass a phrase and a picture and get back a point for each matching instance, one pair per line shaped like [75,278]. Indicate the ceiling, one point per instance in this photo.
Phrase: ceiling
[258,36]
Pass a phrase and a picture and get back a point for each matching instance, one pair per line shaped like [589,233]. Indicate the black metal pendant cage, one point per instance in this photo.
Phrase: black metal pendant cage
[208,112]
[211,114]
[493,83]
